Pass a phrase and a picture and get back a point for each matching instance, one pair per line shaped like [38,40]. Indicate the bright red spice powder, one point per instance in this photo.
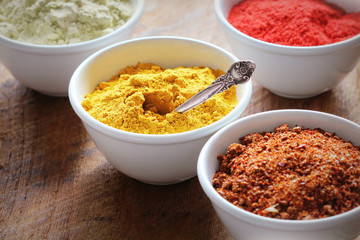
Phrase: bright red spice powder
[294,22]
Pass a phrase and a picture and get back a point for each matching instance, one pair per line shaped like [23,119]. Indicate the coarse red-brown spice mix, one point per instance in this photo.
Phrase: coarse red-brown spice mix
[291,173]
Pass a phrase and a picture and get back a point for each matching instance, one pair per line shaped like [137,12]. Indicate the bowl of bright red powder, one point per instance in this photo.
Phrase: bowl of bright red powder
[301,48]
[285,174]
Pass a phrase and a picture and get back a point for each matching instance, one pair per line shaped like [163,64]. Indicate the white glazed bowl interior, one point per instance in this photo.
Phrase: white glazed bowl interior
[156,159]
[48,68]
[294,72]
[245,225]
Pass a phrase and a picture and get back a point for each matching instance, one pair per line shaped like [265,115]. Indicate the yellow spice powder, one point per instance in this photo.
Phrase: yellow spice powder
[142,98]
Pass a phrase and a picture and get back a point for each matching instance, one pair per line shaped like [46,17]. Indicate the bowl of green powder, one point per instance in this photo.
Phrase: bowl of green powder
[42,42]
[301,48]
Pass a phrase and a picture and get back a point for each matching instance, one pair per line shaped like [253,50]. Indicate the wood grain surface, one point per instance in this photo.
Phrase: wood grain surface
[55,184]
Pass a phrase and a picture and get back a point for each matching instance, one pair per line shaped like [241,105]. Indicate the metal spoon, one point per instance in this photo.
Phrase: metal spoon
[238,73]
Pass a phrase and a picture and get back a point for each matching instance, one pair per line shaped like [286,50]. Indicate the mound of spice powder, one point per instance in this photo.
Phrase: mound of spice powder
[291,173]
[57,22]
[142,98]
[294,22]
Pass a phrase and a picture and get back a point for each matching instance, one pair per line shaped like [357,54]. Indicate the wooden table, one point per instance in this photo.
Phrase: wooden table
[55,184]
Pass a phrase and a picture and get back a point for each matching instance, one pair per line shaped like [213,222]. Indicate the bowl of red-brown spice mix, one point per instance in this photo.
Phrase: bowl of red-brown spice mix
[285,174]
[301,48]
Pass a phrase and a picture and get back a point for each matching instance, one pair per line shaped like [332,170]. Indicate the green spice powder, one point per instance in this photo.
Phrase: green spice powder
[57,22]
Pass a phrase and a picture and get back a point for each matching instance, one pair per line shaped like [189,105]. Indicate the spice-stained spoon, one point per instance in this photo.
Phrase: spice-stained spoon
[238,73]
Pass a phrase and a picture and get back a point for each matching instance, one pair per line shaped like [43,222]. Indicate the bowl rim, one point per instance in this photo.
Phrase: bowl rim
[76,47]
[252,218]
[283,49]
[155,138]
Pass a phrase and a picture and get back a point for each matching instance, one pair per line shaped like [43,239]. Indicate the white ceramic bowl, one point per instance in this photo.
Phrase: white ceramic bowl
[294,72]
[48,68]
[245,225]
[155,159]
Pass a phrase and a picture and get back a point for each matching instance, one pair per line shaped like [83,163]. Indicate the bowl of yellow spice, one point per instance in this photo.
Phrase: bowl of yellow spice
[42,42]
[126,95]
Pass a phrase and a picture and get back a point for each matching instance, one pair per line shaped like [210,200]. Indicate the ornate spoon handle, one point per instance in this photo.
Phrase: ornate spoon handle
[238,73]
